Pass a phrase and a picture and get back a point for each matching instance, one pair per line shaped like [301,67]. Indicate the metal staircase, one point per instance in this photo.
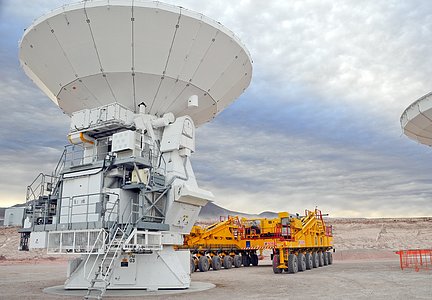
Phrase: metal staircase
[102,277]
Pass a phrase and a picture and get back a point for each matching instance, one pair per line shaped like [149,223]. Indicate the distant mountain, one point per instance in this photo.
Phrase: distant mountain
[213,212]
[268,214]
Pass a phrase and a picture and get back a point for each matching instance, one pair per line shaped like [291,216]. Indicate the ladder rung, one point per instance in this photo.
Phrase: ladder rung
[98,280]
[95,289]
[104,269]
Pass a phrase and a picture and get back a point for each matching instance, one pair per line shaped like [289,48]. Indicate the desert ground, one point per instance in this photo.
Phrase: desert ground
[365,267]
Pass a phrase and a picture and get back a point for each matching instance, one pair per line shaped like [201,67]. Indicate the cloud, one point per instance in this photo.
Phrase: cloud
[32,129]
[366,54]
[21,167]
[253,169]
[32,133]
[319,124]
[31,10]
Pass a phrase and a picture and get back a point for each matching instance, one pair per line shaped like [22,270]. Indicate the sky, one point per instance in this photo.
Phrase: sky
[317,127]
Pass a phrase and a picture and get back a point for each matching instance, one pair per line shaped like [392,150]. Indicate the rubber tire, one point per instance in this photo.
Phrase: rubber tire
[216,263]
[325,257]
[309,262]
[276,270]
[301,262]
[203,264]
[321,259]
[246,260]
[330,258]
[192,266]
[315,260]
[227,262]
[292,264]
[254,259]
[237,261]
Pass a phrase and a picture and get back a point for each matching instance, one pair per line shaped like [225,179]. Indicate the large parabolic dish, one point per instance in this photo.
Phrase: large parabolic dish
[98,52]
[416,120]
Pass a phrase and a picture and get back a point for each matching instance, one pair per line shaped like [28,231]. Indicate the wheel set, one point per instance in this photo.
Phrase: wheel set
[299,262]
[204,263]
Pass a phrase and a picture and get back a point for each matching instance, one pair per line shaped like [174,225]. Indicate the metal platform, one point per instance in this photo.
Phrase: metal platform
[194,287]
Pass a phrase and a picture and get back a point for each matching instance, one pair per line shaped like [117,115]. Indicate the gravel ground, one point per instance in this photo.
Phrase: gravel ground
[359,279]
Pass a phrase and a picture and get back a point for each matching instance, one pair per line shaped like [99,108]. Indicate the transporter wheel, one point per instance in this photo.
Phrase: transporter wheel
[192,265]
[227,262]
[320,259]
[209,259]
[246,260]
[216,263]
[315,260]
[329,258]
[203,263]
[325,257]
[301,262]
[254,259]
[292,264]
[237,261]
[309,261]
[276,270]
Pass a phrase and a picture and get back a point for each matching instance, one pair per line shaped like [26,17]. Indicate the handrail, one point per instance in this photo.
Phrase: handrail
[105,240]
[92,251]
[30,190]
[115,252]
[60,164]
[119,246]
[116,204]
[111,245]
[37,187]
[124,210]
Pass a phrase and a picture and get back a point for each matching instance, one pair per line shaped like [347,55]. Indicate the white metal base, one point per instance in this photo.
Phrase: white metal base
[165,269]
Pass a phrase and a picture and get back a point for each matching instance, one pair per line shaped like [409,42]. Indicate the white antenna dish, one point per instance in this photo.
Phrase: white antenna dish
[94,53]
[416,120]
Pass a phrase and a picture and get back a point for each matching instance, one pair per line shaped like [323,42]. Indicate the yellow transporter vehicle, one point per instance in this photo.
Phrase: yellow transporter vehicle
[298,243]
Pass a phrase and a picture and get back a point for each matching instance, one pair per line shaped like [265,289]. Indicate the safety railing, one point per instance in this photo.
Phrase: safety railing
[417,259]
[113,245]
[77,155]
[76,241]
[282,233]
[42,185]
[60,164]
[112,210]
[84,208]
[144,241]
[80,208]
